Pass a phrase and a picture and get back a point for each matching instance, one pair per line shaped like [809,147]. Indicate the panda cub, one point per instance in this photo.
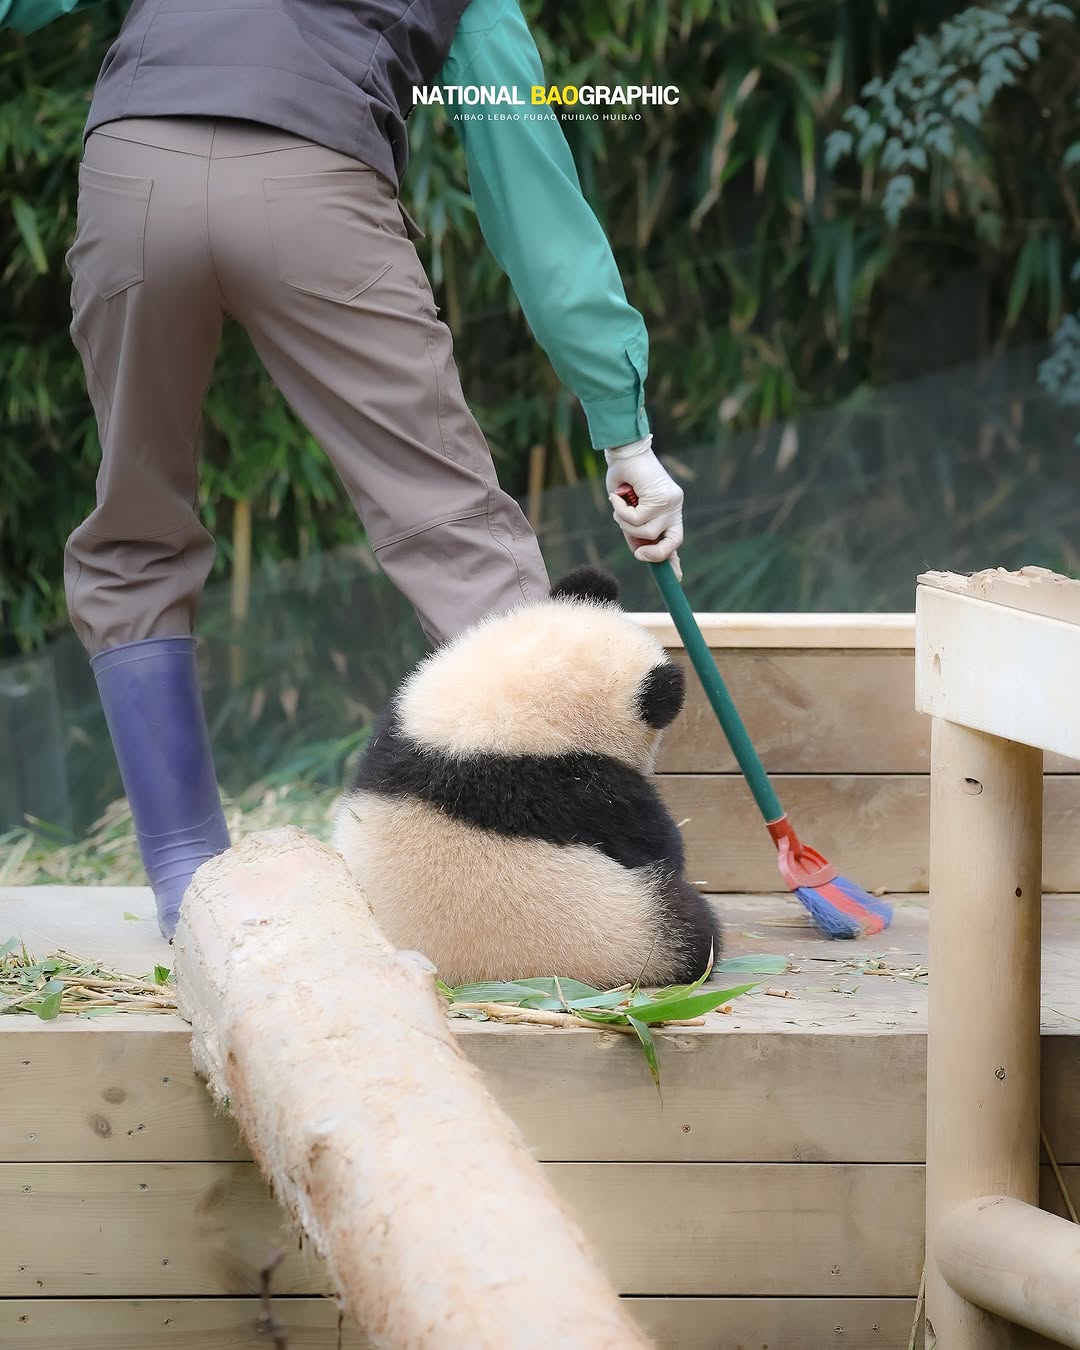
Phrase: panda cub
[503,818]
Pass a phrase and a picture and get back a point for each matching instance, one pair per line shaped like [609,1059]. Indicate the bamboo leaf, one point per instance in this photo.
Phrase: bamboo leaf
[648,1044]
[27,225]
[693,1005]
[47,1006]
[1021,282]
[754,964]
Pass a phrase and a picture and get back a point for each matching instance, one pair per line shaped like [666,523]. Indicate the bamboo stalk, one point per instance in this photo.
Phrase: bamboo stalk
[1066,1197]
[537,473]
[240,586]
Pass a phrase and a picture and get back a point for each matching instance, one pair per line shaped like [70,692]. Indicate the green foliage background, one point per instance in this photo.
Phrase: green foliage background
[761,262]
[854,241]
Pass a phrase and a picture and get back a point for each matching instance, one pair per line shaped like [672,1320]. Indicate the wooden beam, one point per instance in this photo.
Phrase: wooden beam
[1036,590]
[142,1230]
[821,712]
[172,1323]
[983,1041]
[846,1092]
[73,1093]
[806,712]
[1016,1261]
[438,1229]
[999,670]
[172,1230]
[792,631]
[874,827]
[311,1324]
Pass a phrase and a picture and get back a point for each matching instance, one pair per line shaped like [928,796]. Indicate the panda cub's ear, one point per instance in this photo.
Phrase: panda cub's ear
[587,583]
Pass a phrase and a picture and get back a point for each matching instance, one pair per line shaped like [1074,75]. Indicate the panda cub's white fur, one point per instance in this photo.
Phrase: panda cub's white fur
[503,820]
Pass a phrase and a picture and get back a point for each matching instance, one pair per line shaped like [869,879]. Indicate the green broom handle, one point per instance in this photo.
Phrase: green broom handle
[716,691]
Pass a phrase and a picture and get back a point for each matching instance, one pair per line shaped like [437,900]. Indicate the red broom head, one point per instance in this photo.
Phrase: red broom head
[838,907]
[799,864]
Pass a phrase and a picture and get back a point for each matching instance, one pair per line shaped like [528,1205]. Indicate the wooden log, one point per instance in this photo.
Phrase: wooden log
[437,1227]
[1016,1261]
[982,1090]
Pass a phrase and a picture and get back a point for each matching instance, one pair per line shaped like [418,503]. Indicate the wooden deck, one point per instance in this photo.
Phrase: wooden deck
[774,1198]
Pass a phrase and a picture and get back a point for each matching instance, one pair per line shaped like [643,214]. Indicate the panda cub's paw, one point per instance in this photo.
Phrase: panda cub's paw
[587,583]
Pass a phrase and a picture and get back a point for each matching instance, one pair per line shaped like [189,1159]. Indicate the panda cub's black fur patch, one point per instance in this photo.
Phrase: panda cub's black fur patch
[587,583]
[573,798]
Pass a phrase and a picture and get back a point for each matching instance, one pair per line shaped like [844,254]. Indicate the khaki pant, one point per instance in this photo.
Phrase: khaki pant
[181,222]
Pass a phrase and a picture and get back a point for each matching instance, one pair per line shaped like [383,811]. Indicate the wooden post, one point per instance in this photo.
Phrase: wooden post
[438,1228]
[983,1044]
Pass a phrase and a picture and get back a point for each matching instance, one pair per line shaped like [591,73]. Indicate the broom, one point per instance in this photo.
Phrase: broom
[838,907]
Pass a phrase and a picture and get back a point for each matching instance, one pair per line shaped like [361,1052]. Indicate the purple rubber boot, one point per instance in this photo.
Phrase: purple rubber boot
[153,705]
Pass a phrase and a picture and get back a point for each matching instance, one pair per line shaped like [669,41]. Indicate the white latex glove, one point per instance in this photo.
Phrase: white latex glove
[653,528]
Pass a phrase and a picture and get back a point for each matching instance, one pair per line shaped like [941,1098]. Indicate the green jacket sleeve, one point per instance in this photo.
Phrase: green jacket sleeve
[542,231]
[27,16]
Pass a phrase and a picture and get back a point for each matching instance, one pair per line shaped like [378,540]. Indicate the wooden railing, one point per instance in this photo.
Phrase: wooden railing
[997,666]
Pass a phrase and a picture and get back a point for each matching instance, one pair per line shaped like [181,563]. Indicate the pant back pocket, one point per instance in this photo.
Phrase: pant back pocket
[329,231]
[110,233]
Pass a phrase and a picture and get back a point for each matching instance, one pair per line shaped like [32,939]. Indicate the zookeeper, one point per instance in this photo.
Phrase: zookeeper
[245,159]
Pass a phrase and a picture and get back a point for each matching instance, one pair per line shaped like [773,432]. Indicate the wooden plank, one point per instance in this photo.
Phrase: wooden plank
[132,1096]
[806,712]
[998,670]
[311,1324]
[129,1230]
[811,712]
[784,1323]
[178,1324]
[89,921]
[139,1230]
[792,631]
[819,1096]
[87,1091]
[1036,590]
[876,828]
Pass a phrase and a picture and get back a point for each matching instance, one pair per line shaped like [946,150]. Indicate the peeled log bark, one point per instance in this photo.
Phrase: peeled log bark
[437,1227]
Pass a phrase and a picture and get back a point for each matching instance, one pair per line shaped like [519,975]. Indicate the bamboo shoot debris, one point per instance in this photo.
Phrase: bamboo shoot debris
[437,1227]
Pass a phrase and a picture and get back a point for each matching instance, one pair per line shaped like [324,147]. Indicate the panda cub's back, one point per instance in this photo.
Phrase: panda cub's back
[503,819]
[489,907]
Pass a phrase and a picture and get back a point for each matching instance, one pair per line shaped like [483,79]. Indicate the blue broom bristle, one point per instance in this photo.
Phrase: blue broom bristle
[864,898]
[834,922]
[826,917]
